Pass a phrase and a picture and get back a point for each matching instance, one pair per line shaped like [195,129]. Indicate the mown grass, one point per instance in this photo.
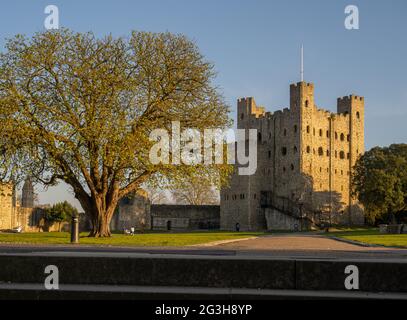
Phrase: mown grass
[144,239]
[371,236]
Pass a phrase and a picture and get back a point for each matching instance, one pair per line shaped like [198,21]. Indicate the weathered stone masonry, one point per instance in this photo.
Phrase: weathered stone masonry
[305,155]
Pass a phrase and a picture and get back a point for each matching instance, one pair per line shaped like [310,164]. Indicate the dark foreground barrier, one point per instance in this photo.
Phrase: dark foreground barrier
[149,276]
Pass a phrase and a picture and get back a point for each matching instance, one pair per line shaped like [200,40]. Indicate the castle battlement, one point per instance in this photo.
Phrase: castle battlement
[350,98]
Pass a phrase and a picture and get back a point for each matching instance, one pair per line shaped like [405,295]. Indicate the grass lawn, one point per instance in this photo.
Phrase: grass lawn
[145,239]
[371,236]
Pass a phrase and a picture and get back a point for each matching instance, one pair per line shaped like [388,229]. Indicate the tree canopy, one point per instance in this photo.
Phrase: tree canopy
[80,109]
[380,180]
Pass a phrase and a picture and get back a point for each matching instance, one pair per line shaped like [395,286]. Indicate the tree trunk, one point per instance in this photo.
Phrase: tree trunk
[100,208]
[101,217]
[100,227]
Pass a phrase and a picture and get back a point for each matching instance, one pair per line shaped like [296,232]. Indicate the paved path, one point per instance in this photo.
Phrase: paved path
[310,246]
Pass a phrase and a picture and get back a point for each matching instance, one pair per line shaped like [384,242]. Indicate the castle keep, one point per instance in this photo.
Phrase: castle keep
[305,157]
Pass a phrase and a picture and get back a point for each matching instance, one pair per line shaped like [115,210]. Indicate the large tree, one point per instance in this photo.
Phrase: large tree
[195,191]
[380,181]
[80,109]
[59,212]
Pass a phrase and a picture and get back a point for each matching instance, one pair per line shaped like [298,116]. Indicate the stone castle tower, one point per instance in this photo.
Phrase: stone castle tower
[27,198]
[305,157]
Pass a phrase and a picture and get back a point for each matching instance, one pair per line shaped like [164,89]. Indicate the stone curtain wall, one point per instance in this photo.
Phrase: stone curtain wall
[185,217]
[6,206]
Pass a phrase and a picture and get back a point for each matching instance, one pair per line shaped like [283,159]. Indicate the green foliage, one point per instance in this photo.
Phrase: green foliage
[80,109]
[380,181]
[59,212]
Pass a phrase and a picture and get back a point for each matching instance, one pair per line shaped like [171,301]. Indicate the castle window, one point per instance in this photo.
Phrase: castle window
[348,137]
[320,151]
[284,151]
[342,155]
[342,137]
[283,169]
[242,116]
[308,149]
[336,135]
[285,132]
[295,149]
[306,103]
[254,196]
[341,172]
[358,115]
[336,171]
[295,129]
[327,133]
[327,153]
[320,132]
[313,131]
[320,169]
[308,129]
[269,154]
[259,136]
[292,167]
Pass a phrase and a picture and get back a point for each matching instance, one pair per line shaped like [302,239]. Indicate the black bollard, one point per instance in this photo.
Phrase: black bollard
[75,229]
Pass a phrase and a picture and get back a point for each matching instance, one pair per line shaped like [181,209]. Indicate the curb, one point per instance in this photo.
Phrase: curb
[358,243]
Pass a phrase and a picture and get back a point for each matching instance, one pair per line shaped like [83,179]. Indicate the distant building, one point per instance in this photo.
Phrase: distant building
[27,199]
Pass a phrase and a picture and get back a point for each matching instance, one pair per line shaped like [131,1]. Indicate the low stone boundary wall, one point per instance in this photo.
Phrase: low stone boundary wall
[209,272]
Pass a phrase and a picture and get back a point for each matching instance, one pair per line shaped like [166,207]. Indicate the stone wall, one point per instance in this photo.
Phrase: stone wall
[185,217]
[133,211]
[280,221]
[6,206]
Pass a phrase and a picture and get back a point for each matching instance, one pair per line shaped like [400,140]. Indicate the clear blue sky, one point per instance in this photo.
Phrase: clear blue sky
[255,48]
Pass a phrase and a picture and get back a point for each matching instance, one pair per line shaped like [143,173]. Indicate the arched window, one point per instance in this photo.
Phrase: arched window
[285,132]
[306,103]
[348,137]
[320,151]
[358,115]
[269,154]
[307,129]
[327,153]
[295,128]
[242,116]
[336,135]
[292,167]
[342,155]
[327,133]
[308,149]
[259,136]
[320,132]
[283,151]
[342,137]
